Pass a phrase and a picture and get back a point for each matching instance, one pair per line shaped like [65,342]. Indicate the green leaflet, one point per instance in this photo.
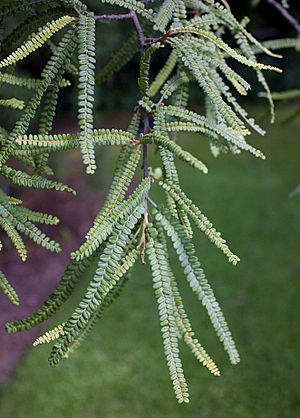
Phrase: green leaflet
[18,81]
[61,294]
[231,52]
[246,49]
[196,278]
[12,234]
[36,41]
[122,274]
[13,103]
[50,335]
[7,289]
[278,44]
[193,63]
[70,67]
[61,142]
[34,180]
[124,173]
[174,86]
[201,221]
[103,228]
[29,83]
[177,151]
[86,57]
[164,14]
[28,26]
[104,280]
[192,122]
[185,328]
[170,172]
[19,222]
[145,69]
[183,324]
[16,220]
[47,116]
[39,217]
[283,95]
[225,16]
[52,69]
[180,12]
[218,61]
[162,289]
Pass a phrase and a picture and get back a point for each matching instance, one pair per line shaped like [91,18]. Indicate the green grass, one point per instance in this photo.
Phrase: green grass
[120,371]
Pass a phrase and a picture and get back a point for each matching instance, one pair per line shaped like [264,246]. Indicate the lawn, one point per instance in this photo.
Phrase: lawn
[120,371]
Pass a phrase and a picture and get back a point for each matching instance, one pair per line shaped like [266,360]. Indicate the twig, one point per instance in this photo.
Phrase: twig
[226,4]
[293,21]
[139,29]
[113,17]
[126,16]
[145,149]
[142,41]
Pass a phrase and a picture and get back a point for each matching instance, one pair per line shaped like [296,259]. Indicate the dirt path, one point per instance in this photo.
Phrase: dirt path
[35,279]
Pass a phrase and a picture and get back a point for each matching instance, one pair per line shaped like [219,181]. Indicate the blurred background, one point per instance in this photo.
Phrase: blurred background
[120,370]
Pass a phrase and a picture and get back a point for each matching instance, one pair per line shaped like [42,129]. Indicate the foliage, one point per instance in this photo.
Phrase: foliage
[125,228]
[122,357]
[8,290]
[16,219]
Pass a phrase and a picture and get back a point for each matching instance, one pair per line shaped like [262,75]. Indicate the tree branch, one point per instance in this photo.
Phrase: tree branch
[113,17]
[139,30]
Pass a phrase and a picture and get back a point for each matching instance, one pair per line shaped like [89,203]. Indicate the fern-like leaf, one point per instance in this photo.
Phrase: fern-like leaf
[50,335]
[201,221]
[103,228]
[163,293]
[199,284]
[86,34]
[36,41]
[7,289]
[104,280]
